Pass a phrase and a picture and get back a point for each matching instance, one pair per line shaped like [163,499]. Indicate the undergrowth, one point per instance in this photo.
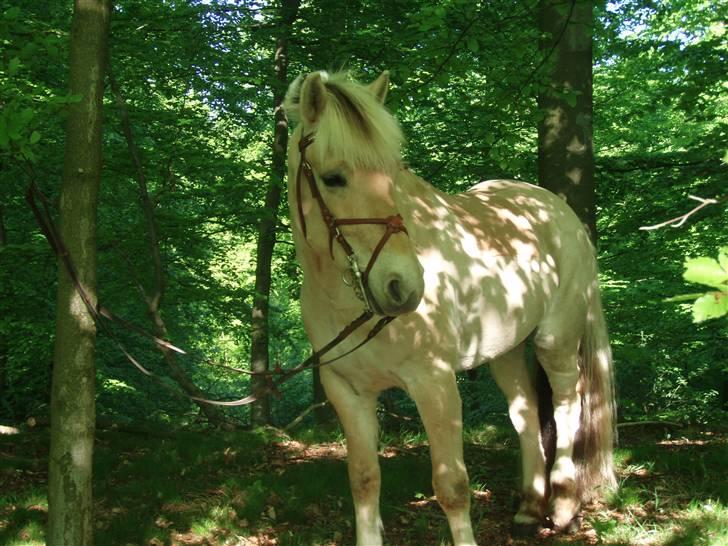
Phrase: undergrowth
[265,487]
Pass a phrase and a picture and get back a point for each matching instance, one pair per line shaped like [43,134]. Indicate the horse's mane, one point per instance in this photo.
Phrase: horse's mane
[354,126]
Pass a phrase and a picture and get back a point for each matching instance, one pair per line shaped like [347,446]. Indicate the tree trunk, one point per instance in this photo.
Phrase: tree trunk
[259,354]
[72,392]
[565,139]
[154,297]
[3,344]
[3,233]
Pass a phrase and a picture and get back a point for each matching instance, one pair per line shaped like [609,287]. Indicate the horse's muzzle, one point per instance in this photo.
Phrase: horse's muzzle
[399,295]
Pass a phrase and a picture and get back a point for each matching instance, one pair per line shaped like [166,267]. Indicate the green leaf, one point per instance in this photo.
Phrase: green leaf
[27,153]
[13,65]
[705,271]
[723,257]
[34,137]
[4,137]
[712,305]
[473,45]
[12,14]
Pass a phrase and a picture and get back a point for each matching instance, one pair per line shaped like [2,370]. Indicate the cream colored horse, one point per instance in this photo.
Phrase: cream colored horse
[472,278]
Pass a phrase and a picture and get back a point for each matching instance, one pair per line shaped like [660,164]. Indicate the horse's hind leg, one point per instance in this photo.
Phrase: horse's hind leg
[439,405]
[513,378]
[357,413]
[559,358]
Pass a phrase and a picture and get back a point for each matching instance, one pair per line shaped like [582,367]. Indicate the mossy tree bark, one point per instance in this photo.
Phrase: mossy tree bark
[565,134]
[72,391]
[259,345]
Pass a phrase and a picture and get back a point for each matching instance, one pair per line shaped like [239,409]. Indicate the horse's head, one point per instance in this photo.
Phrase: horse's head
[342,161]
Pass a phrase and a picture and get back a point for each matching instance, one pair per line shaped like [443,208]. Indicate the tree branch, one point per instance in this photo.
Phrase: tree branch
[446,60]
[154,300]
[680,220]
[303,414]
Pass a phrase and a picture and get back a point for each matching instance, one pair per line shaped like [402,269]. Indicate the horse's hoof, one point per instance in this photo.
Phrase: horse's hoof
[570,528]
[524,530]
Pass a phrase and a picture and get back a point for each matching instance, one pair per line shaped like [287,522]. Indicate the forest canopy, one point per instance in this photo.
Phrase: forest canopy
[195,83]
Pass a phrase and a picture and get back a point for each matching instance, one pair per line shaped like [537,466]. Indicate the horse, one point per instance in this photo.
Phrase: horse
[461,280]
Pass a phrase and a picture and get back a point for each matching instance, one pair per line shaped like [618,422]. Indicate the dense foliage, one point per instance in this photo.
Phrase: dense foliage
[197,78]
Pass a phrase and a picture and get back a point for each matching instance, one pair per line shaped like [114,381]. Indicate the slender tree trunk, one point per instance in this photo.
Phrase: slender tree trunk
[3,344]
[72,392]
[565,138]
[155,296]
[3,233]
[259,354]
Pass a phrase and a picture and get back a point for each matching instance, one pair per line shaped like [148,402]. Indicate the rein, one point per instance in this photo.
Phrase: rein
[358,281]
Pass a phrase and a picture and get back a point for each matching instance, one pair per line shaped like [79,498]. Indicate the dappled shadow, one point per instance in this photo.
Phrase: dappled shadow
[23,523]
[494,265]
[492,257]
[701,529]
[212,489]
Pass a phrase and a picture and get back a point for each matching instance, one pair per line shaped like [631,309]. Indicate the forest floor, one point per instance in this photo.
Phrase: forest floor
[267,488]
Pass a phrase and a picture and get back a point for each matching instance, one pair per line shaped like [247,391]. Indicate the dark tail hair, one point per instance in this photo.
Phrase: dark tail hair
[546,420]
[596,436]
[597,432]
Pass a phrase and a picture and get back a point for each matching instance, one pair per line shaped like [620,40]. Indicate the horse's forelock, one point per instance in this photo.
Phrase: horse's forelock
[356,128]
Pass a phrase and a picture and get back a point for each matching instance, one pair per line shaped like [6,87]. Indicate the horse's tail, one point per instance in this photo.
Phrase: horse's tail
[596,435]
[597,431]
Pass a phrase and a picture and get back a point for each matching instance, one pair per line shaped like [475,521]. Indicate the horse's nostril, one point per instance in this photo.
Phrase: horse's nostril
[395,291]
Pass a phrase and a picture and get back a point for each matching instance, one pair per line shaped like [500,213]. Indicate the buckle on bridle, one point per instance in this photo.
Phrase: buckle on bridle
[356,281]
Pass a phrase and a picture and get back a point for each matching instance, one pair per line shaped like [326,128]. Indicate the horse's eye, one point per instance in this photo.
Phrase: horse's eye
[334,180]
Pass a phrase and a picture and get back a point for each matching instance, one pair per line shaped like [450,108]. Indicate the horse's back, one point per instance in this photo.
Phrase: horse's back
[519,195]
[566,258]
[534,210]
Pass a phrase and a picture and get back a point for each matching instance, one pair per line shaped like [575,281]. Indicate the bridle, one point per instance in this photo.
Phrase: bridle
[358,279]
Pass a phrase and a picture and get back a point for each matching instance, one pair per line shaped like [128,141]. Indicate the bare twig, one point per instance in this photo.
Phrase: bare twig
[226,367]
[303,414]
[396,415]
[680,220]
[447,58]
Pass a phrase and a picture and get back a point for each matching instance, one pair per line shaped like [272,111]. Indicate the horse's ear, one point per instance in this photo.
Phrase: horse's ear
[306,98]
[292,101]
[312,99]
[380,86]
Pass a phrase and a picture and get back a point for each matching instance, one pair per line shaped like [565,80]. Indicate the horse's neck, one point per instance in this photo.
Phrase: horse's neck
[413,193]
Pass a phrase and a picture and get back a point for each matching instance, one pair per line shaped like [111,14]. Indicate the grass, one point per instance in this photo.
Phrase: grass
[265,488]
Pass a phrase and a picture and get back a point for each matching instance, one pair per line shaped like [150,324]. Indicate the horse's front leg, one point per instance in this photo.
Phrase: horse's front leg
[358,416]
[439,406]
